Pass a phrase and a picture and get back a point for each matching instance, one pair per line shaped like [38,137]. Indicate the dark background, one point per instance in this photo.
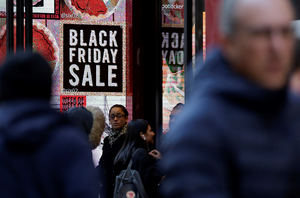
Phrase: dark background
[297,8]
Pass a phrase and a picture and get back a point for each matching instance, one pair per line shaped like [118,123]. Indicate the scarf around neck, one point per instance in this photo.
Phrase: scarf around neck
[113,134]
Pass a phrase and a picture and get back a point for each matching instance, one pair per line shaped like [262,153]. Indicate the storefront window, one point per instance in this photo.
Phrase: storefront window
[86,43]
[172,55]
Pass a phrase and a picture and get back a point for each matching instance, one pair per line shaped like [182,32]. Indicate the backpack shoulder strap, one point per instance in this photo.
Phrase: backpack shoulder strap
[133,154]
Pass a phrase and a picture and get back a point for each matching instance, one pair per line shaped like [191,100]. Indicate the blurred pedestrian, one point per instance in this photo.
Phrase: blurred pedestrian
[96,131]
[81,118]
[295,76]
[139,138]
[238,135]
[91,120]
[98,125]
[41,153]
[175,112]
[118,117]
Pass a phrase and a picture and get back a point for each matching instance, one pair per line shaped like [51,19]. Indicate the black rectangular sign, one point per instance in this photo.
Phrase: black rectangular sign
[93,58]
[173,47]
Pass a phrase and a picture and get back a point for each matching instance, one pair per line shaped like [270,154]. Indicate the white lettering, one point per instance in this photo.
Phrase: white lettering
[102,42]
[81,54]
[82,43]
[87,76]
[111,75]
[105,57]
[73,82]
[182,41]
[93,39]
[73,37]
[164,54]
[89,55]
[71,54]
[175,42]
[165,43]
[114,53]
[97,55]
[112,39]
[180,58]
[98,82]
[172,58]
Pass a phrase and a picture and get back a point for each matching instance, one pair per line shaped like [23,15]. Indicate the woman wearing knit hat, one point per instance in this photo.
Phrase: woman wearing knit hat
[42,154]
[91,120]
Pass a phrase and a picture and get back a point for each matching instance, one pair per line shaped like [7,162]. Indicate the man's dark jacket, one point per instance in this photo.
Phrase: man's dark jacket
[233,139]
[42,155]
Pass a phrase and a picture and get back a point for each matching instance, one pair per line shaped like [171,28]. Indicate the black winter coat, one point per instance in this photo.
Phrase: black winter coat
[148,168]
[233,139]
[106,165]
[42,155]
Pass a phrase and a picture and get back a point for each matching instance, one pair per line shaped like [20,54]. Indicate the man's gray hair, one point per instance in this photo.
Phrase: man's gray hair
[227,20]
[228,16]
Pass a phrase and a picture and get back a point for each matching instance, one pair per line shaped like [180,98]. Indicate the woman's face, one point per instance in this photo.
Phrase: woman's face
[117,118]
[149,135]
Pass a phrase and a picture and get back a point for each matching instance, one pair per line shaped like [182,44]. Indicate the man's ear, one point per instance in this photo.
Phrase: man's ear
[227,45]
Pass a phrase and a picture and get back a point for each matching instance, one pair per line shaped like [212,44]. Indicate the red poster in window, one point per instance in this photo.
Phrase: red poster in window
[88,9]
[44,43]
[212,22]
[41,9]
[67,102]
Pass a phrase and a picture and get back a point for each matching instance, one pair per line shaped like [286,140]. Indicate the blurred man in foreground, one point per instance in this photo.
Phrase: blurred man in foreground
[41,154]
[239,134]
[295,75]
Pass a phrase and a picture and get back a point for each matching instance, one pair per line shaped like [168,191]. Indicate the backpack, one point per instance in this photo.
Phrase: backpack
[129,184]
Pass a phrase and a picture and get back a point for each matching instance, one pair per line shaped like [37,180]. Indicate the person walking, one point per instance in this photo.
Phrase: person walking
[139,138]
[238,135]
[42,155]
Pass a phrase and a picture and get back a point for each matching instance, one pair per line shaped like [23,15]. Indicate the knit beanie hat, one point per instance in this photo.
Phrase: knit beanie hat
[81,117]
[25,76]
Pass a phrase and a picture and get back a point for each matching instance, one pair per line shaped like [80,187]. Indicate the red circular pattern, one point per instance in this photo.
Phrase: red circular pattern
[41,43]
[91,7]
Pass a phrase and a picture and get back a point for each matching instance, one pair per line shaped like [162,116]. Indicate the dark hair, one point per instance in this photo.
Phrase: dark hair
[121,107]
[178,106]
[28,73]
[81,117]
[132,141]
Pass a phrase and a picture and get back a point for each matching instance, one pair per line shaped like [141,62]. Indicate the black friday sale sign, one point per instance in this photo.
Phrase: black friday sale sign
[93,59]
